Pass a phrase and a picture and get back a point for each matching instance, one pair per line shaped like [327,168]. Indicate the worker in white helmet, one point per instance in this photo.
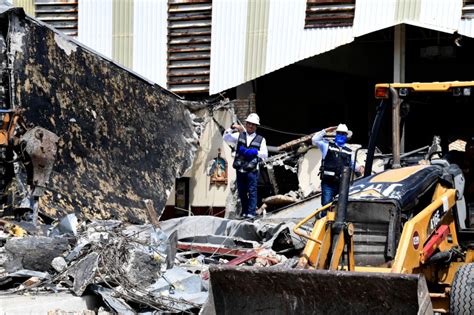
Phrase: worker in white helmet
[335,156]
[251,148]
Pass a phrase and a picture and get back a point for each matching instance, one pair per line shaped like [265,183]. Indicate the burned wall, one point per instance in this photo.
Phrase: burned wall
[122,139]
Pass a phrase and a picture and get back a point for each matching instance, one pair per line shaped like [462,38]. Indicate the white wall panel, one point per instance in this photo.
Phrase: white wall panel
[288,40]
[466,27]
[229,26]
[95,25]
[372,15]
[442,15]
[150,39]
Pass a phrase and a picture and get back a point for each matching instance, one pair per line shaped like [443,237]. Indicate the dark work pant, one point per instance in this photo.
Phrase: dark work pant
[328,192]
[247,187]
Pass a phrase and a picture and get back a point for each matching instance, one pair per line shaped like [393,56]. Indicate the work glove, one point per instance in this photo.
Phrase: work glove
[251,153]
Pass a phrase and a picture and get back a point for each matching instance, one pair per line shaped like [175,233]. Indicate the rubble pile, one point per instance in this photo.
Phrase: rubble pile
[127,268]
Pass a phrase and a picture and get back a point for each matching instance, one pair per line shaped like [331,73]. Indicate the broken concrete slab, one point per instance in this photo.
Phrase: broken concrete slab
[84,272]
[115,303]
[43,303]
[34,253]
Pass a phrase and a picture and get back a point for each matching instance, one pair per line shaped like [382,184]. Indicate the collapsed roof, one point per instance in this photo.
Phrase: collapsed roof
[123,139]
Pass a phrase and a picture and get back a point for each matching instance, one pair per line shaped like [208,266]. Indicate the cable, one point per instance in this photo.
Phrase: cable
[281,131]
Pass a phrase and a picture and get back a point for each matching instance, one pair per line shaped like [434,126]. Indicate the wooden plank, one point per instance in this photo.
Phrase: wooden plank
[327,25]
[188,8]
[189,41]
[187,34]
[344,8]
[312,2]
[170,2]
[189,25]
[189,48]
[191,16]
[153,215]
[191,57]
[189,74]
[194,81]
[183,65]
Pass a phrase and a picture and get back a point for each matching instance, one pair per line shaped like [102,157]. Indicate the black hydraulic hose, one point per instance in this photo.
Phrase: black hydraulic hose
[373,138]
[342,200]
[441,257]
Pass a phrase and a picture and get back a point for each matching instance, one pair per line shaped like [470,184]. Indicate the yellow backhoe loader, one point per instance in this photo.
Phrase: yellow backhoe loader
[396,242]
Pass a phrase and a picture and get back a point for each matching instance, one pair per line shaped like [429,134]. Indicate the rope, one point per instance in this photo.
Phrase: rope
[282,132]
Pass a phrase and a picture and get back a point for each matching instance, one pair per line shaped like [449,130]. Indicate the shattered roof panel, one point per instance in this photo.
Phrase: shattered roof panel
[122,139]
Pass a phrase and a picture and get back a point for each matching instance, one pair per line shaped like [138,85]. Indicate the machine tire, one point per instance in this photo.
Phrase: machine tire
[462,291]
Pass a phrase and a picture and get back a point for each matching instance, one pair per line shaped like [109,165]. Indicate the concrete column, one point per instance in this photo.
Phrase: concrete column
[399,69]
[399,54]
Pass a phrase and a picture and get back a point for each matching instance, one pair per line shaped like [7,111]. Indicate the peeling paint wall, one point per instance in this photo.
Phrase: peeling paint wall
[202,193]
[122,138]
[308,170]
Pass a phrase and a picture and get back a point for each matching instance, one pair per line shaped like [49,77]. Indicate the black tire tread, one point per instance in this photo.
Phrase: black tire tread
[462,291]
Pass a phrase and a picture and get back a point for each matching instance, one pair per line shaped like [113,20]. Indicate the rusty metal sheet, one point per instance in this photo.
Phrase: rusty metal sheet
[468,9]
[329,13]
[189,45]
[122,139]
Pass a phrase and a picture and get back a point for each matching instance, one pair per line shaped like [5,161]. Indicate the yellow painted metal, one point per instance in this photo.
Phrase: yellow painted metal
[122,32]
[337,252]
[415,233]
[470,255]
[397,175]
[312,248]
[372,269]
[27,5]
[297,230]
[323,252]
[427,87]
[350,246]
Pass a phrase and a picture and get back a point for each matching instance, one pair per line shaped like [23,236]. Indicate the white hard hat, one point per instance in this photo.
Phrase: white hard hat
[342,128]
[253,118]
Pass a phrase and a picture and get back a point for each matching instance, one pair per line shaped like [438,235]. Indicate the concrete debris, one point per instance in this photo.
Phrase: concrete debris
[59,264]
[47,303]
[34,253]
[118,305]
[140,268]
[84,273]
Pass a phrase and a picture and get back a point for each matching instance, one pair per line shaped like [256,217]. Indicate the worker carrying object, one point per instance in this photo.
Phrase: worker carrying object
[335,156]
[251,148]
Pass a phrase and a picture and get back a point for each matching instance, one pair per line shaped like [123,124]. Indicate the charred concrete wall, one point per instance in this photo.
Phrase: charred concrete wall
[122,138]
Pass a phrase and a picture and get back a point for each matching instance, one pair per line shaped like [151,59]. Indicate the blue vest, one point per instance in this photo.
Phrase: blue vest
[336,158]
[241,163]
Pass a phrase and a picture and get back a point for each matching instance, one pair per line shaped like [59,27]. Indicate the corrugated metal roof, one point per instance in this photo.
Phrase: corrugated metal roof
[284,40]
[228,42]
[149,39]
[289,40]
[95,25]
[251,38]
